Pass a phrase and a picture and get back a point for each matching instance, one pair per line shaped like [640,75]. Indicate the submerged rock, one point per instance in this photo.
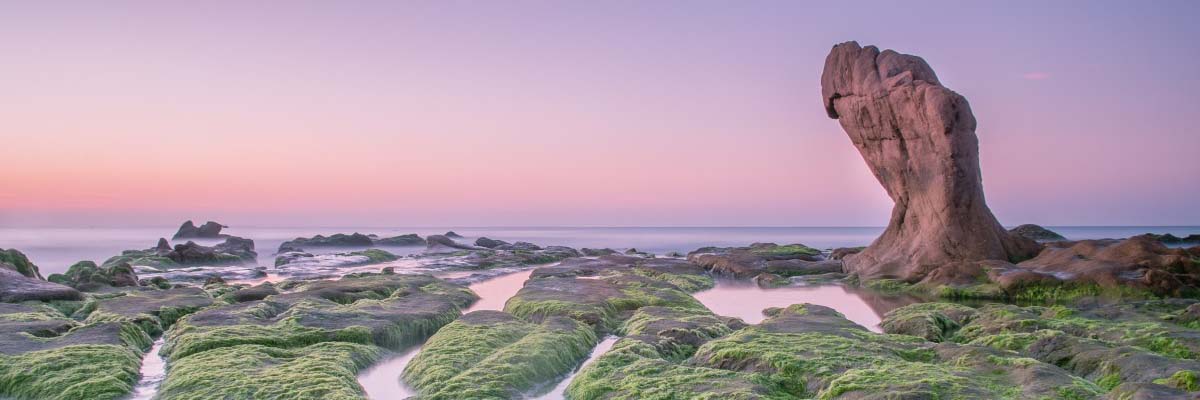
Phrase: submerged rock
[436,242]
[918,137]
[489,243]
[452,235]
[210,230]
[1036,233]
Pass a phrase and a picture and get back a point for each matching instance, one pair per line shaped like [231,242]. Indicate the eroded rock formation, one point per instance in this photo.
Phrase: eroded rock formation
[918,138]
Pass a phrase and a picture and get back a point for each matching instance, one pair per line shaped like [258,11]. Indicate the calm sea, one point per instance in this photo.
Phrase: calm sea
[54,249]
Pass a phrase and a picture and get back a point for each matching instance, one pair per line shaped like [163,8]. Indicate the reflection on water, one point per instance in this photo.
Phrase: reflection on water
[560,391]
[154,369]
[382,381]
[493,293]
[746,300]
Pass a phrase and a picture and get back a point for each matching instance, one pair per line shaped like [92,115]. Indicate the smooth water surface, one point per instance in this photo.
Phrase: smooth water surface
[746,300]
[154,369]
[559,392]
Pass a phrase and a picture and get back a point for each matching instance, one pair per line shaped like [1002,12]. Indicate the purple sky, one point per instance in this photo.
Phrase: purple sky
[573,113]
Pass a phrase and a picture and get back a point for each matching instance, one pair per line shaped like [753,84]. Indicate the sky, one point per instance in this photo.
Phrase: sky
[573,113]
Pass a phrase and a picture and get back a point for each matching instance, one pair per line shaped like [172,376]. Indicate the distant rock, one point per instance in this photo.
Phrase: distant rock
[918,138]
[489,243]
[16,287]
[452,235]
[163,245]
[210,230]
[403,240]
[233,249]
[1168,238]
[1037,233]
[597,252]
[435,241]
[519,246]
[16,261]
[352,240]
[87,276]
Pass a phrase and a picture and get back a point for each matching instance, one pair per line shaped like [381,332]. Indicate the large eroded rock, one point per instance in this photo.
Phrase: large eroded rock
[918,138]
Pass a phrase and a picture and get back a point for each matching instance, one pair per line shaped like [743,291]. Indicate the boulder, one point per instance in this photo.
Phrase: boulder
[210,230]
[489,243]
[16,261]
[918,138]
[15,288]
[452,235]
[1140,262]
[1036,233]
[87,276]
[337,240]
[435,241]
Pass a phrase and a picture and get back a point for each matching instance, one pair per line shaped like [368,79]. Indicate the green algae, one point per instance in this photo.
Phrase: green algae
[1186,380]
[375,256]
[785,251]
[71,372]
[499,357]
[17,259]
[320,371]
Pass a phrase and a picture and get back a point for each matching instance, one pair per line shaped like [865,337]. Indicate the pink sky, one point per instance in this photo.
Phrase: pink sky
[552,113]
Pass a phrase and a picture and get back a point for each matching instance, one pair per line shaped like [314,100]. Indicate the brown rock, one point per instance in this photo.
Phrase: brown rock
[918,138]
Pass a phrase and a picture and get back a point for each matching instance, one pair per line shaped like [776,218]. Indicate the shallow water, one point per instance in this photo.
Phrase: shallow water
[559,391]
[54,249]
[382,381]
[746,300]
[154,369]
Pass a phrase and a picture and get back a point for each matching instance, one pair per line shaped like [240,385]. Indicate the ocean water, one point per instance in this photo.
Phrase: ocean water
[54,249]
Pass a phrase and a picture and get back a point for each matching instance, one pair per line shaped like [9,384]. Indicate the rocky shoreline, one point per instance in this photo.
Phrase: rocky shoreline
[1003,314]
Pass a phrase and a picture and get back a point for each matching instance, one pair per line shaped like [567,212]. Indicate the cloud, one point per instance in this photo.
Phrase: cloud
[1036,75]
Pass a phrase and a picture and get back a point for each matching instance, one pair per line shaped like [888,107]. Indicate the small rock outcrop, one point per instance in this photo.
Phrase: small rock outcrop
[442,241]
[87,276]
[489,243]
[1036,233]
[764,258]
[452,235]
[918,138]
[210,230]
[15,260]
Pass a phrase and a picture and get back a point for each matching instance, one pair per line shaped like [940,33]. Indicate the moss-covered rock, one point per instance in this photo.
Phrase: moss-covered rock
[931,321]
[492,354]
[87,276]
[320,371]
[152,310]
[15,260]
[45,355]
[601,292]
[313,337]
[1109,345]
[650,362]
[746,262]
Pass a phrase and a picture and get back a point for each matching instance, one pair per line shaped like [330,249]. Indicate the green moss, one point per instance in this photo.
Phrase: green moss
[1109,381]
[17,259]
[71,372]
[319,371]
[375,255]
[785,251]
[933,321]
[635,370]
[1068,292]
[889,285]
[1185,379]
[690,283]
[905,380]
[497,358]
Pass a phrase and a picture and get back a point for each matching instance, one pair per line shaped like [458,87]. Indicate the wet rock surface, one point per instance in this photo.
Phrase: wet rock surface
[351,240]
[15,288]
